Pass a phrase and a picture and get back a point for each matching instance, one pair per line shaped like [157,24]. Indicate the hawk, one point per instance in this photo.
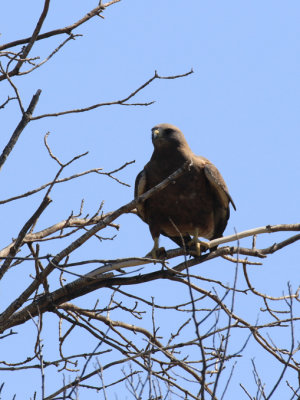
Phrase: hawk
[196,204]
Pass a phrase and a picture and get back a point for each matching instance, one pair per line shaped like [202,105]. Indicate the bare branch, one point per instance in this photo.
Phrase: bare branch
[19,129]
[189,354]
[14,88]
[90,171]
[252,232]
[82,239]
[97,278]
[59,226]
[68,29]
[18,243]
[26,49]
[70,37]
[7,101]
[134,328]
[122,102]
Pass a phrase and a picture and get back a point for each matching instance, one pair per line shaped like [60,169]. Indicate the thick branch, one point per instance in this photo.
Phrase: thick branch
[252,232]
[19,129]
[97,279]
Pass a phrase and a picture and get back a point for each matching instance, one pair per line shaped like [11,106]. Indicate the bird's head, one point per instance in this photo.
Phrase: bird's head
[167,135]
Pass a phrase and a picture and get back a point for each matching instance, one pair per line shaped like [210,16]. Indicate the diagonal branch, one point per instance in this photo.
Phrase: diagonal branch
[122,102]
[252,232]
[68,29]
[19,241]
[19,129]
[14,88]
[33,191]
[56,50]
[7,101]
[82,239]
[71,222]
[31,41]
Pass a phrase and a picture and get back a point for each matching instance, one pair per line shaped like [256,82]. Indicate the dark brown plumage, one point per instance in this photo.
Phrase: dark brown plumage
[197,204]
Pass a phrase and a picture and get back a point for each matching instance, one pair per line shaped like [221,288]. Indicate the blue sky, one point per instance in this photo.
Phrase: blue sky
[240,109]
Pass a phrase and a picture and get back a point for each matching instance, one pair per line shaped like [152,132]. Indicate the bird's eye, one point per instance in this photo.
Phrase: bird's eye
[168,131]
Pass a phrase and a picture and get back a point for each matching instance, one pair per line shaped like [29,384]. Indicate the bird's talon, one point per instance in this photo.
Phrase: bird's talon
[203,244]
[157,253]
[198,246]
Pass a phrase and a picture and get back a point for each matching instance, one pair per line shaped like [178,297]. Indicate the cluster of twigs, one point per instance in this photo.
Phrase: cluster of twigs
[193,359]
[158,359]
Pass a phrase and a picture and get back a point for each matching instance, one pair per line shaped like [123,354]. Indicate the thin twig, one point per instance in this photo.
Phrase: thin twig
[14,88]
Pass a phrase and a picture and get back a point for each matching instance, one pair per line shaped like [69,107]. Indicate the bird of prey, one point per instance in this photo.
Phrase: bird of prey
[196,204]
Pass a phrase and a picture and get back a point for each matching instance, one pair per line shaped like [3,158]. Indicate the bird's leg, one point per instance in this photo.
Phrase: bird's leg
[154,251]
[197,243]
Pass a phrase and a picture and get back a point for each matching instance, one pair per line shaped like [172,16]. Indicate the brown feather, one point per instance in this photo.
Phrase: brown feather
[197,200]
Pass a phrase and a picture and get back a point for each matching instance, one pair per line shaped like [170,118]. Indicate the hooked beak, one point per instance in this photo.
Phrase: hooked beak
[155,133]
